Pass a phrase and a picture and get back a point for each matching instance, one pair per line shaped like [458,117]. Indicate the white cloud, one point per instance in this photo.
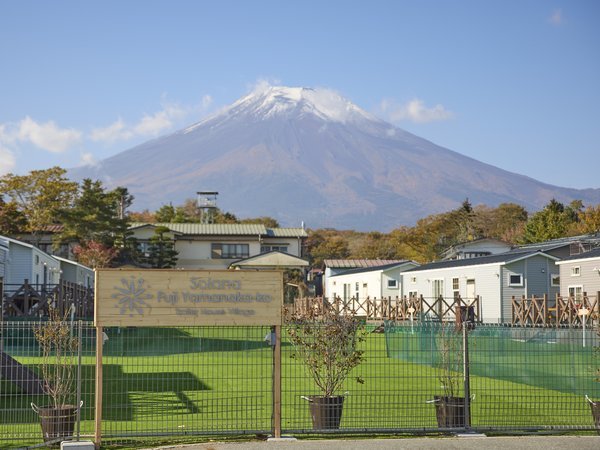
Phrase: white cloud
[150,124]
[88,159]
[117,131]
[556,18]
[7,159]
[414,111]
[47,136]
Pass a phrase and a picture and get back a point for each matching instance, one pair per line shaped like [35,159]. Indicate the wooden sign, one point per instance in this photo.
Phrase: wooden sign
[187,297]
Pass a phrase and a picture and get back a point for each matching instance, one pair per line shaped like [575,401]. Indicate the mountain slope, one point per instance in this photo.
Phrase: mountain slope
[300,154]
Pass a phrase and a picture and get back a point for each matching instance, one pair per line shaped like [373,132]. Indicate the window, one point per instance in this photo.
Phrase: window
[437,288]
[575,271]
[413,279]
[274,248]
[576,292]
[392,284]
[554,280]
[515,279]
[37,259]
[230,251]
[456,287]
[412,294]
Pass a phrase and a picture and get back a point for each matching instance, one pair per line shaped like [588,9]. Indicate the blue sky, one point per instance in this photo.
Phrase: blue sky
[515,84]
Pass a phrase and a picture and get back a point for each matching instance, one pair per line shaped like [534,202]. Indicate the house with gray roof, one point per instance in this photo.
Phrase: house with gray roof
[381,281]
[495,279]
[580,274]
[217,246]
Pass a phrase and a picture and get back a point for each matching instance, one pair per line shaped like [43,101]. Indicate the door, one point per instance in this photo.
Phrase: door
[471,289]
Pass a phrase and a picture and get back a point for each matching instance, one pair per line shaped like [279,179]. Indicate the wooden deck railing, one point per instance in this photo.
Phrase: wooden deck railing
[398,309]
[33,300]
[558,312]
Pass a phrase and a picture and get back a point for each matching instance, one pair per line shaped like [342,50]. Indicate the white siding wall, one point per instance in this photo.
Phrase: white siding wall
[487,285]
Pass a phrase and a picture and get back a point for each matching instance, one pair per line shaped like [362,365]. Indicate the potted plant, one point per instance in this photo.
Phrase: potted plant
[327,342]
[58,349]
[450,408]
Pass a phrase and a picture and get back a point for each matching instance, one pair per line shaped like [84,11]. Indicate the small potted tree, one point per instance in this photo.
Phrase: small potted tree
[327,343]
[58,350]
[450,408]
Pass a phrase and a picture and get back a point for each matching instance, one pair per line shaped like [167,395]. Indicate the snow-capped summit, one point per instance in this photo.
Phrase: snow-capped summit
[301,154]
[327,104]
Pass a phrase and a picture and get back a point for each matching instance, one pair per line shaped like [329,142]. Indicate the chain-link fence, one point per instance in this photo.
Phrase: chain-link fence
[219,380]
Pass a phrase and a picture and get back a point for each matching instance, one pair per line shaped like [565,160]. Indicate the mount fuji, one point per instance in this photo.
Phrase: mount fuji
[301,154]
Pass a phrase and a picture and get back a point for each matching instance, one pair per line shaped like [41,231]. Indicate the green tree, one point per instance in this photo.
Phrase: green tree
[96,215]
[39,196]
[161,251]
[165,214]
[552,222]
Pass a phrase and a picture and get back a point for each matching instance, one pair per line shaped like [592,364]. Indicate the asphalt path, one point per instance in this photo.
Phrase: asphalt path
[478,442]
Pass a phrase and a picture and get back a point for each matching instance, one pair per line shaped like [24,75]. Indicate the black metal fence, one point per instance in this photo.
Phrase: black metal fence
[206,380]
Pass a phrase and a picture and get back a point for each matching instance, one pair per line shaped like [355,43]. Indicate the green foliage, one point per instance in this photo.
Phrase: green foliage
[552,222]
[161,251]
[328,345]
[95,215]
[39,196]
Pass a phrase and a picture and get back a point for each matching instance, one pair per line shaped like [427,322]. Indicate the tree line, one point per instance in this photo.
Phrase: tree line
[98,220]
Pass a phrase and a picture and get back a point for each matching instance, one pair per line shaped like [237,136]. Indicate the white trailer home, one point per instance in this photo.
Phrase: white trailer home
[372,282]
[495,279]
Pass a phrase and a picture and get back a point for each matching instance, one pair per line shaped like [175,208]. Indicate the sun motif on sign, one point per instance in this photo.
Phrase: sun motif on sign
[132,296]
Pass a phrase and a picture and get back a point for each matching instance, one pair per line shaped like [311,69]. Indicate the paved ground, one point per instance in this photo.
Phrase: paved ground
[459,443]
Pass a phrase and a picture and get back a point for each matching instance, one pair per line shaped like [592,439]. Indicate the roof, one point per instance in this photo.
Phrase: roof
[561,242]
[271,259]
[501,258]
[594,253]
[226,229]
[356,263]
[374,268]
[70,261]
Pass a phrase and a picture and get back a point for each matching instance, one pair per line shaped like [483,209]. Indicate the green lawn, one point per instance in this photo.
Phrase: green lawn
[219,380]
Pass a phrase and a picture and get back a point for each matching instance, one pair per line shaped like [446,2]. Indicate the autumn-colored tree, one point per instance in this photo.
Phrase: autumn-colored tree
[589,220]
[12,220]
[325,244]
[95,254]
[39,196]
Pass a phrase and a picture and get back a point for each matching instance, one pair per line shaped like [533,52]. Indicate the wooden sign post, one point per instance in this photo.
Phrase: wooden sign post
[162,298]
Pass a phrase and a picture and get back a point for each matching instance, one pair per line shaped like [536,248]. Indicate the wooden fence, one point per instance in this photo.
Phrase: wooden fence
[559,312]
[398,309]
[33,300]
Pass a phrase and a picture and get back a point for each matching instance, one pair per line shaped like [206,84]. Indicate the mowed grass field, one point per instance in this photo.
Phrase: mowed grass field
[219,380]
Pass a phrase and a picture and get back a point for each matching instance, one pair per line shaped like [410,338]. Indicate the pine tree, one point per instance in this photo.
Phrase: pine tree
[161,251]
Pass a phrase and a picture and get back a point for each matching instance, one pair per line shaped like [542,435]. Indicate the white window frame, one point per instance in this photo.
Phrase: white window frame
[554,276]
[575,288]
[511,283]
[576,271]
[392,283]
[440,282]
[413,280]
